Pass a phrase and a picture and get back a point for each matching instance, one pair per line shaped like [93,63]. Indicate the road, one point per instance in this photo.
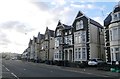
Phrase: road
[16,69]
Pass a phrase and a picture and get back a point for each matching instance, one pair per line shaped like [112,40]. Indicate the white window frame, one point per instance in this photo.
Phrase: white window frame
[58,32]
[79,25]
[79,53]
[84,53]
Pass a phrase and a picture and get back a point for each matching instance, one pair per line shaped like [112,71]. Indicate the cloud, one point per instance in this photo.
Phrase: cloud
[83,6]
[17,26]
[86,6]
[3,39]
[42,5]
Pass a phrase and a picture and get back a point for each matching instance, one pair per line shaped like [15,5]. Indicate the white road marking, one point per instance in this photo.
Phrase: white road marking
[24,69]
[14,75]
[7,69]
[11,72]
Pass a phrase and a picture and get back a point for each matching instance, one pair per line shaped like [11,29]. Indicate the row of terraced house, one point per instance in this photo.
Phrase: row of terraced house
[83,40]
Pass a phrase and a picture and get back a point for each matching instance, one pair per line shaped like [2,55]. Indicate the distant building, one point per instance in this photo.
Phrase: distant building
[33,48]
[42,51]
[38,46]
[49,44]
[112,35]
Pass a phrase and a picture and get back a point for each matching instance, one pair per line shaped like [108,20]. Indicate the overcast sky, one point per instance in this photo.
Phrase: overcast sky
[20,20]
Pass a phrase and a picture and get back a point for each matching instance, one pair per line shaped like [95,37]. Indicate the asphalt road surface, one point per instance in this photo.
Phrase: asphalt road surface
[17,69]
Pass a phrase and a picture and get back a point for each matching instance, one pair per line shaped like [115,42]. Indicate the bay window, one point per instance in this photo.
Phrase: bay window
[80,53]
[114,34]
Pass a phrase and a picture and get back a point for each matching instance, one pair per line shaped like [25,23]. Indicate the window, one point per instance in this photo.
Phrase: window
[76,41]
[65,33]
[57,55]
[58,32]
[111,49]
[46,36]
[60,54]
[83,53]
[60,40]
[117,56]
[75,53]
[54,55]
[69,31]
[65,39]
[79,37]
[79,25]
[112,57]
[115,34]
[56,42]
[110,35]
[119,33]
[116,49]
[79,53]
[83,38]
[70,39]
[115,16]
[119,15]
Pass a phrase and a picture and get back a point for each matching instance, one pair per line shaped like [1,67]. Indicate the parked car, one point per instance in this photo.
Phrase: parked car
[95,62]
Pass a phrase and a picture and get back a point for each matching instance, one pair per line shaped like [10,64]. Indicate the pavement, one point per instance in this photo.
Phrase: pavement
[16,69]
[88,70]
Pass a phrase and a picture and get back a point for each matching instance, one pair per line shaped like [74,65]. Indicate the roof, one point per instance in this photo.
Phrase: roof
[91,20]
[67,26]
[95,23]
[108,20]
[116,9]
[51,33]
[30,42]
[35,39]
[59,23]
[40,36]
[64,25]
[79,14]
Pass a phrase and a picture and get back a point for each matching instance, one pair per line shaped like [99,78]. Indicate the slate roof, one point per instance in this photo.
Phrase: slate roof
[66,26]
[95,23]
[91,20]
[30,42]
[116,9]
[108,20]
[41,36]
[35,38]
[51,33]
